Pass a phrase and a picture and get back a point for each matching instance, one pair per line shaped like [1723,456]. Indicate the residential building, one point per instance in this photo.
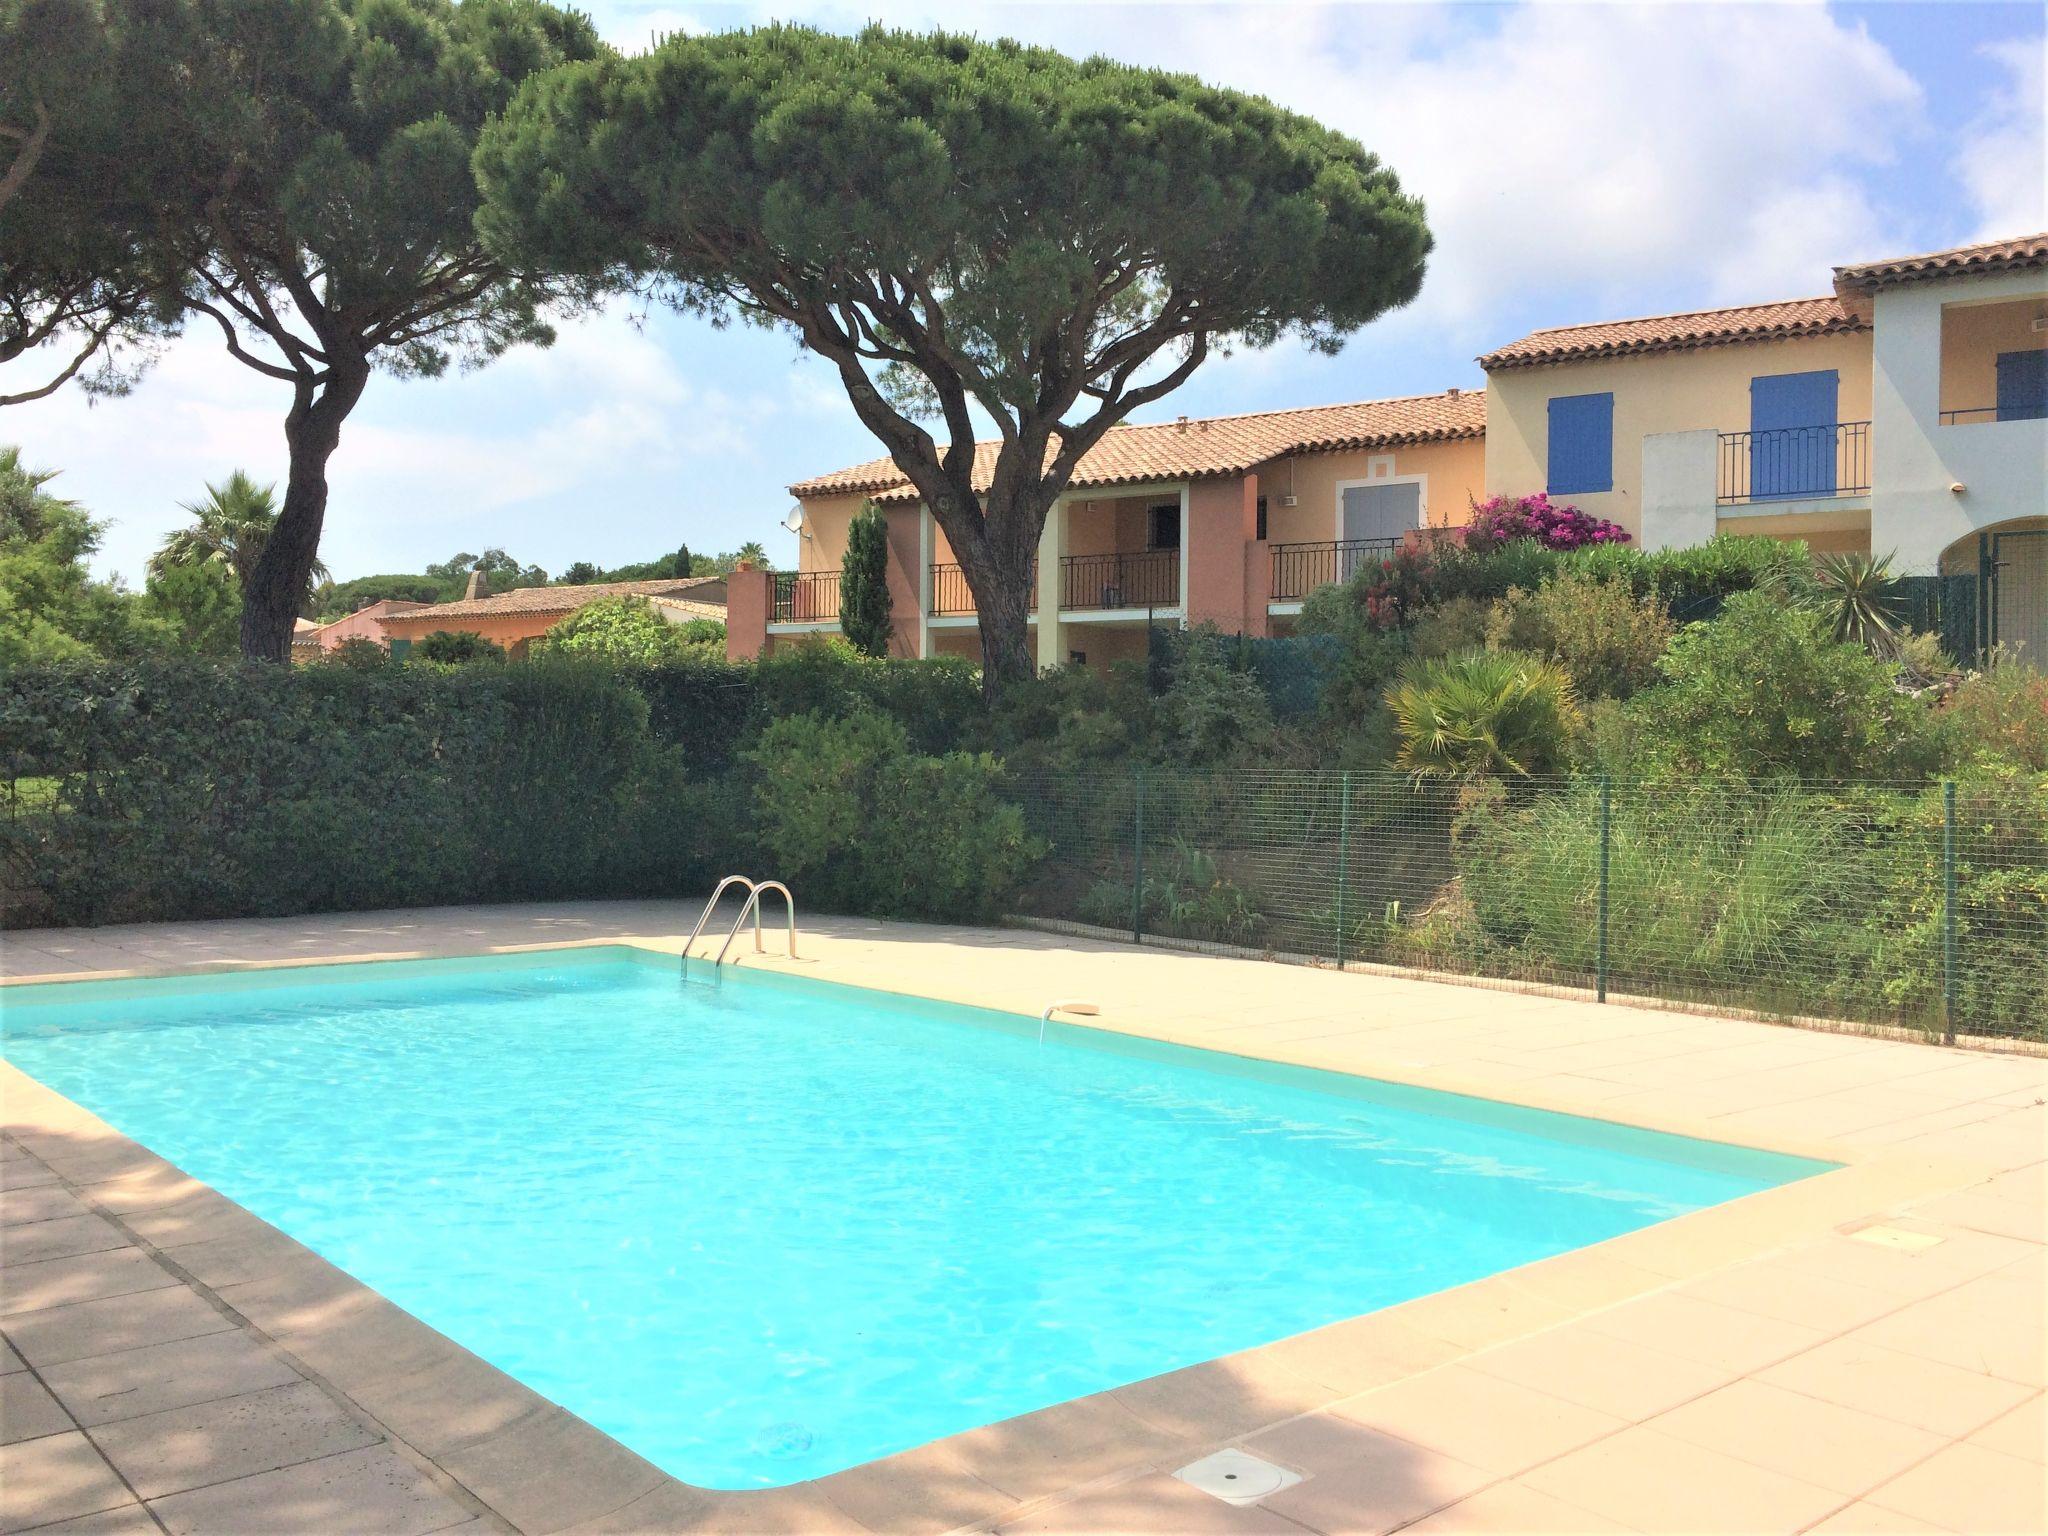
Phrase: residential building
[1904,414]
[310,641]
[515,619]
[1229,520]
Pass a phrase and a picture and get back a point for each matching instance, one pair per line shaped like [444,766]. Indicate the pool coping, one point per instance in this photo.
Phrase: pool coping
[537,1467]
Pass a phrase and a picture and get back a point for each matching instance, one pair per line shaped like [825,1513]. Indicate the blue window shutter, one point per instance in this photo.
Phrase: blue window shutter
[1581,443]
[1792,437]
[400,645]
[2022,385]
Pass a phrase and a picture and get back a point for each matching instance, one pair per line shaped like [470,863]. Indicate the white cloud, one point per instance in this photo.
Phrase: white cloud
[2003,163]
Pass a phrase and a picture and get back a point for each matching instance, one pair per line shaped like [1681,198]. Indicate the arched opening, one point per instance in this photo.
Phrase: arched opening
[2009,561]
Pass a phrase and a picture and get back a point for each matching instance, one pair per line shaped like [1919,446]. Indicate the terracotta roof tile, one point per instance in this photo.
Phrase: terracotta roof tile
[1215,445]
[1673,333]
[558,599]
[1964,260]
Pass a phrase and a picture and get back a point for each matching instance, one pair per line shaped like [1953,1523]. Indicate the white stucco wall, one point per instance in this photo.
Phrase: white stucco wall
[2001,465]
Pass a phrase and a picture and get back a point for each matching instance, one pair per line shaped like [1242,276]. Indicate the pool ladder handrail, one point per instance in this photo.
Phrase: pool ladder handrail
[751,904]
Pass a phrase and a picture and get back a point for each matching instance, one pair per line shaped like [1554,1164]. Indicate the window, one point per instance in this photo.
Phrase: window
[1581,443]
[1162,526]
[1260,533]
[2022,386]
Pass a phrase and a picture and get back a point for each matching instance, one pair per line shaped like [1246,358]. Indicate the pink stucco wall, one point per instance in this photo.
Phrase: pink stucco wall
[1223,519]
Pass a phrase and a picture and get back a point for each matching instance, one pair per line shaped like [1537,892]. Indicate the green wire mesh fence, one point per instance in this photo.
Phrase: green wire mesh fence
[1916,906]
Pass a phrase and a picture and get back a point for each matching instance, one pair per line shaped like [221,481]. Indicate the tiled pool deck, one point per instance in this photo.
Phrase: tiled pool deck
[1862,1351]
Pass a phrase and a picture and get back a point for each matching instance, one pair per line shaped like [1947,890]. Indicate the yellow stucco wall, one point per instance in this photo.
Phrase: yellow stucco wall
[1706,388]
[825,520]
[1455,476]
[1972,336]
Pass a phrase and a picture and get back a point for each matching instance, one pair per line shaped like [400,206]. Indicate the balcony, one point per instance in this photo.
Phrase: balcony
[952,598]
[1298,569]
[805,597]
[1794,464]
[1147,580]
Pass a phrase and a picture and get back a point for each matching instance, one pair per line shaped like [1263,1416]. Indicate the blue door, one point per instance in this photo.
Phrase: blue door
[2022,385]
[1792,434]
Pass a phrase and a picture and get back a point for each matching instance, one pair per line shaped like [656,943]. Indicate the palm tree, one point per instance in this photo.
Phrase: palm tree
[1483,714]
[233,523]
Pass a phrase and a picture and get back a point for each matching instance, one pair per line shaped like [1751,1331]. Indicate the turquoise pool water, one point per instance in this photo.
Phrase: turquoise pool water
[764,1229]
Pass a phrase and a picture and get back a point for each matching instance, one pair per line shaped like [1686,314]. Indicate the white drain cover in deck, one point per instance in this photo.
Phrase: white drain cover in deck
[1896,1237]
[1237,1477]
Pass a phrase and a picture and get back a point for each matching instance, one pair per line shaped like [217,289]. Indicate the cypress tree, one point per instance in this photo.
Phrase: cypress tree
[864,583]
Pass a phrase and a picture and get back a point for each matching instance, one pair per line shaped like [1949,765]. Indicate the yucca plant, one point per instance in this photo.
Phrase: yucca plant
[1861,599]
[1484,714]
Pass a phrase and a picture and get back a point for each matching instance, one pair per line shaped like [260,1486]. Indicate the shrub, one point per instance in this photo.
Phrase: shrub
[1601,632]
[1210,712]
[1765,691]
[455,648]
[1501,520]
[1860,600]
[845,807]
[1484,714]
[1999,718]
[864,604]
[630,629]
[1454,625]
[358,653]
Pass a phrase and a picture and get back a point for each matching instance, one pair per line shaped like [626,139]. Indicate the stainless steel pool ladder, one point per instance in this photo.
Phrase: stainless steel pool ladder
[751,905]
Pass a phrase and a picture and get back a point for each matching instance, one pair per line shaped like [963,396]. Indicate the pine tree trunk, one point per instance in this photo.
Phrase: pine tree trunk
[278,585]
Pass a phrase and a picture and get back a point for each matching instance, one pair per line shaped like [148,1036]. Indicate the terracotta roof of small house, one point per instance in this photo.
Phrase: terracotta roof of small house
[559,599]
[1963,261]
[1674,333]
[1214,445]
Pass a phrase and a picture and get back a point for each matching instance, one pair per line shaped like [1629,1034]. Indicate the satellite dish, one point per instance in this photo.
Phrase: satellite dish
[794,522]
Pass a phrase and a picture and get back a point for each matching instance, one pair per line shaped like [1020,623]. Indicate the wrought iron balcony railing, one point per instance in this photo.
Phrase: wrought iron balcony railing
[1794,463]
[953,598]
[1147,580]
[805,597]
[1298,569]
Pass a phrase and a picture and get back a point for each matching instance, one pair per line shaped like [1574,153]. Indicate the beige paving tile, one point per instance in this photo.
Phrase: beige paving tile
[1363,1353]
[1961,1255]
[674,1507]
[1479,1418]
[1153,1502]
[1221,1399]
[1704,1331]
[44,1202]
[1840,1448]
[2022,1433]
[1856,1373]
[1969,1488]
[1512,1509]
[87,1277]
[919,1492]
[10,1362]
[1792,1296]
[57,1334]
[148,1188]
[194,1447]
[1594,1370]
[1997,1327]
[55,1478]
[24,1174]
[370,1492]
[1870,1520]
[63,1237]
[103,1388]
[27,1410]
[1357,1480]
[550,1472]
[1056,1448]
[128,1520]
[1653,1482]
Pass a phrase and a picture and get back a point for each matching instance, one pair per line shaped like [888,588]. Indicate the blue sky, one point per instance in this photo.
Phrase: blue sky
[1579,162]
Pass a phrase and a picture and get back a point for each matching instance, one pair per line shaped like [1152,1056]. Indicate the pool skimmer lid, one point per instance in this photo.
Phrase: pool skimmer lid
[1237,1477]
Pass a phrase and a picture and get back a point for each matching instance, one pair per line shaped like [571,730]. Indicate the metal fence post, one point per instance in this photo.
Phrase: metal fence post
[1343,856]
[1948,912]
[1138,855]
[1606,843]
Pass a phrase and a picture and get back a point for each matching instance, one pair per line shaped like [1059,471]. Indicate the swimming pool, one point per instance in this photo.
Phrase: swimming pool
[767,1228]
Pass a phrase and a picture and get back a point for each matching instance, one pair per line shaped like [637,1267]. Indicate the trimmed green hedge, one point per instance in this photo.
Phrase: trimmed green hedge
[180,789]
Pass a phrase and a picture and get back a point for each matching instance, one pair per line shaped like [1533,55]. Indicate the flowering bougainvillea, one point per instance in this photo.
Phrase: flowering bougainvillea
[1499,519]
